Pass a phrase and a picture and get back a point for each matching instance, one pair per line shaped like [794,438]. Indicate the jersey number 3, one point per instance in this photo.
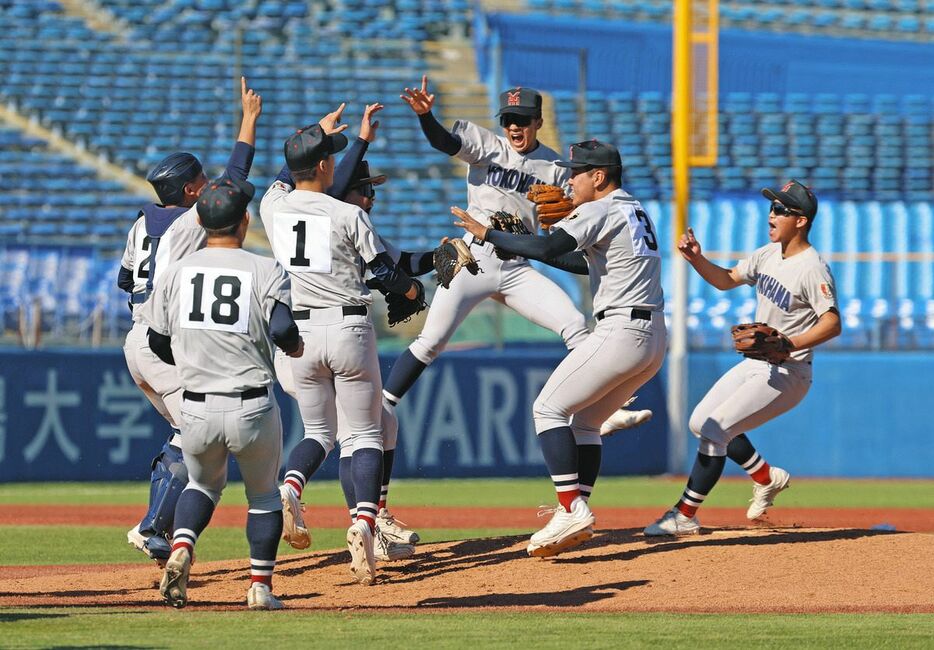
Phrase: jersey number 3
[644,240]
[215,299]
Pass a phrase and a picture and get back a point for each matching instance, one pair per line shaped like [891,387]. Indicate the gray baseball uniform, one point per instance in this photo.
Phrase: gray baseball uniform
[388,420]
[215,304]
[159,381]
[323,242]
[627,346]
[792,294]
[498,178]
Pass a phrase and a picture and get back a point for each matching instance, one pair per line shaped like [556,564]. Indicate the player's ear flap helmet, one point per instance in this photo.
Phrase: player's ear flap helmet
[171,174]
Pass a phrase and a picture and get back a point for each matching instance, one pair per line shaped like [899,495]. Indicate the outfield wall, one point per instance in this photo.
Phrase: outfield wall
[540,51]
[76,415]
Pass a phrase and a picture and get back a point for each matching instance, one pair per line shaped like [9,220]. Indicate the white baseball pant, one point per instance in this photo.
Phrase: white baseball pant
[339,365]
[250,429]
[515,284]
[750,394]
[619,357]
[158,380]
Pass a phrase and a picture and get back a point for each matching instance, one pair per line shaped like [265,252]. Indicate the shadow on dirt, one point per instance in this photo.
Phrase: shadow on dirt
[709,539]
[571,598]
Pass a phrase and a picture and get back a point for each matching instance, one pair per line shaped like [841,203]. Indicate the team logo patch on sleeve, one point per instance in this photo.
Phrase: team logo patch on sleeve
[826,290]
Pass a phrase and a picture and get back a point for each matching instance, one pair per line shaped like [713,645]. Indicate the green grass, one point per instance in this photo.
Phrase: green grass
[527,493]
[107,544]
[76,628]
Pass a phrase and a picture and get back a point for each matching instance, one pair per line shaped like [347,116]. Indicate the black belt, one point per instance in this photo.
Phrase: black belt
[348,310]
[641,314]
[250,393]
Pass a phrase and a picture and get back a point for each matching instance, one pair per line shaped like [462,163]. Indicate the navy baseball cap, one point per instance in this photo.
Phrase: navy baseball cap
[308,146]
[520,101]
[361,176]
[590,154]
[794,195]
[223,202]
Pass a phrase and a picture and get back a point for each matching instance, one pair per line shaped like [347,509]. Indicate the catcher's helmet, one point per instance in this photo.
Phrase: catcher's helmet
[171,174]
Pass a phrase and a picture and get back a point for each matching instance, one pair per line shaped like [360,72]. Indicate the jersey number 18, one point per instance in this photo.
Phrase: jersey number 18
[226,307]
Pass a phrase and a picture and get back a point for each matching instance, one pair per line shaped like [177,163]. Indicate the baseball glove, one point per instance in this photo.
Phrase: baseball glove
[761,341]
[400,309]
[452,256]
[507,223]
[551,204]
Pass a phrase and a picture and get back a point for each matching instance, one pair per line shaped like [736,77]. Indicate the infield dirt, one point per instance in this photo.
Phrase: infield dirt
[723,570]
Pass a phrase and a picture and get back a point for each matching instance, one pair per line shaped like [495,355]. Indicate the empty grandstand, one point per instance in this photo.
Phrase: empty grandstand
[141,78]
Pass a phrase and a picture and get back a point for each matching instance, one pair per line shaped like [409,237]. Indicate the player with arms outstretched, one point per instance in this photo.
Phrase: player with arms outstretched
[611,236]
[795,296]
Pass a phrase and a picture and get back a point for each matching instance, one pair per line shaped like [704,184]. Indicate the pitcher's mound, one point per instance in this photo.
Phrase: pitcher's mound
[727,570]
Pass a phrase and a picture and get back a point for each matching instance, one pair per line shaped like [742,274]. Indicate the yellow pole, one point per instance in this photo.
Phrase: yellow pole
[680,151]
[681,112]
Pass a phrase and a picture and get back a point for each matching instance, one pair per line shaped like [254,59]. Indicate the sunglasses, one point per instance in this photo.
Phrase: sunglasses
[508,119]
[366,191]
[781,210]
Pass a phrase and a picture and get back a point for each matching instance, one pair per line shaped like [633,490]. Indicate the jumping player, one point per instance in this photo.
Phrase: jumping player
[325,244]
[795,295]
[617,245]
[163,233]
[501,170]
[216,314]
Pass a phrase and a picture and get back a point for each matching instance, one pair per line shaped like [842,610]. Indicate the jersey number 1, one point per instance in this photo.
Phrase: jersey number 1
[303,243]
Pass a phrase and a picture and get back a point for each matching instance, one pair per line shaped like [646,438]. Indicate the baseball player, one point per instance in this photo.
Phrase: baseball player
[353,184]
[216,314]
[393,541]
[325,245]
[163,233]
[617,244]
[501,168]
[796,295]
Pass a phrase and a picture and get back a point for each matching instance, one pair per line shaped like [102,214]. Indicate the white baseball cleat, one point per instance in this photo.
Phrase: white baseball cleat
[623,419]
[362,553]
[388,550]
[391,528]
[260,597]
[565,530]
[174,584]
[673,523]
[764,495]
[293,524]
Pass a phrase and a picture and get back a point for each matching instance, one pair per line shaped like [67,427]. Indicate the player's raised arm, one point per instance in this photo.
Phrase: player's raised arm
[251,105]
[344,171]
[721,278]
[330,123]
[241,158]
[421,102]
